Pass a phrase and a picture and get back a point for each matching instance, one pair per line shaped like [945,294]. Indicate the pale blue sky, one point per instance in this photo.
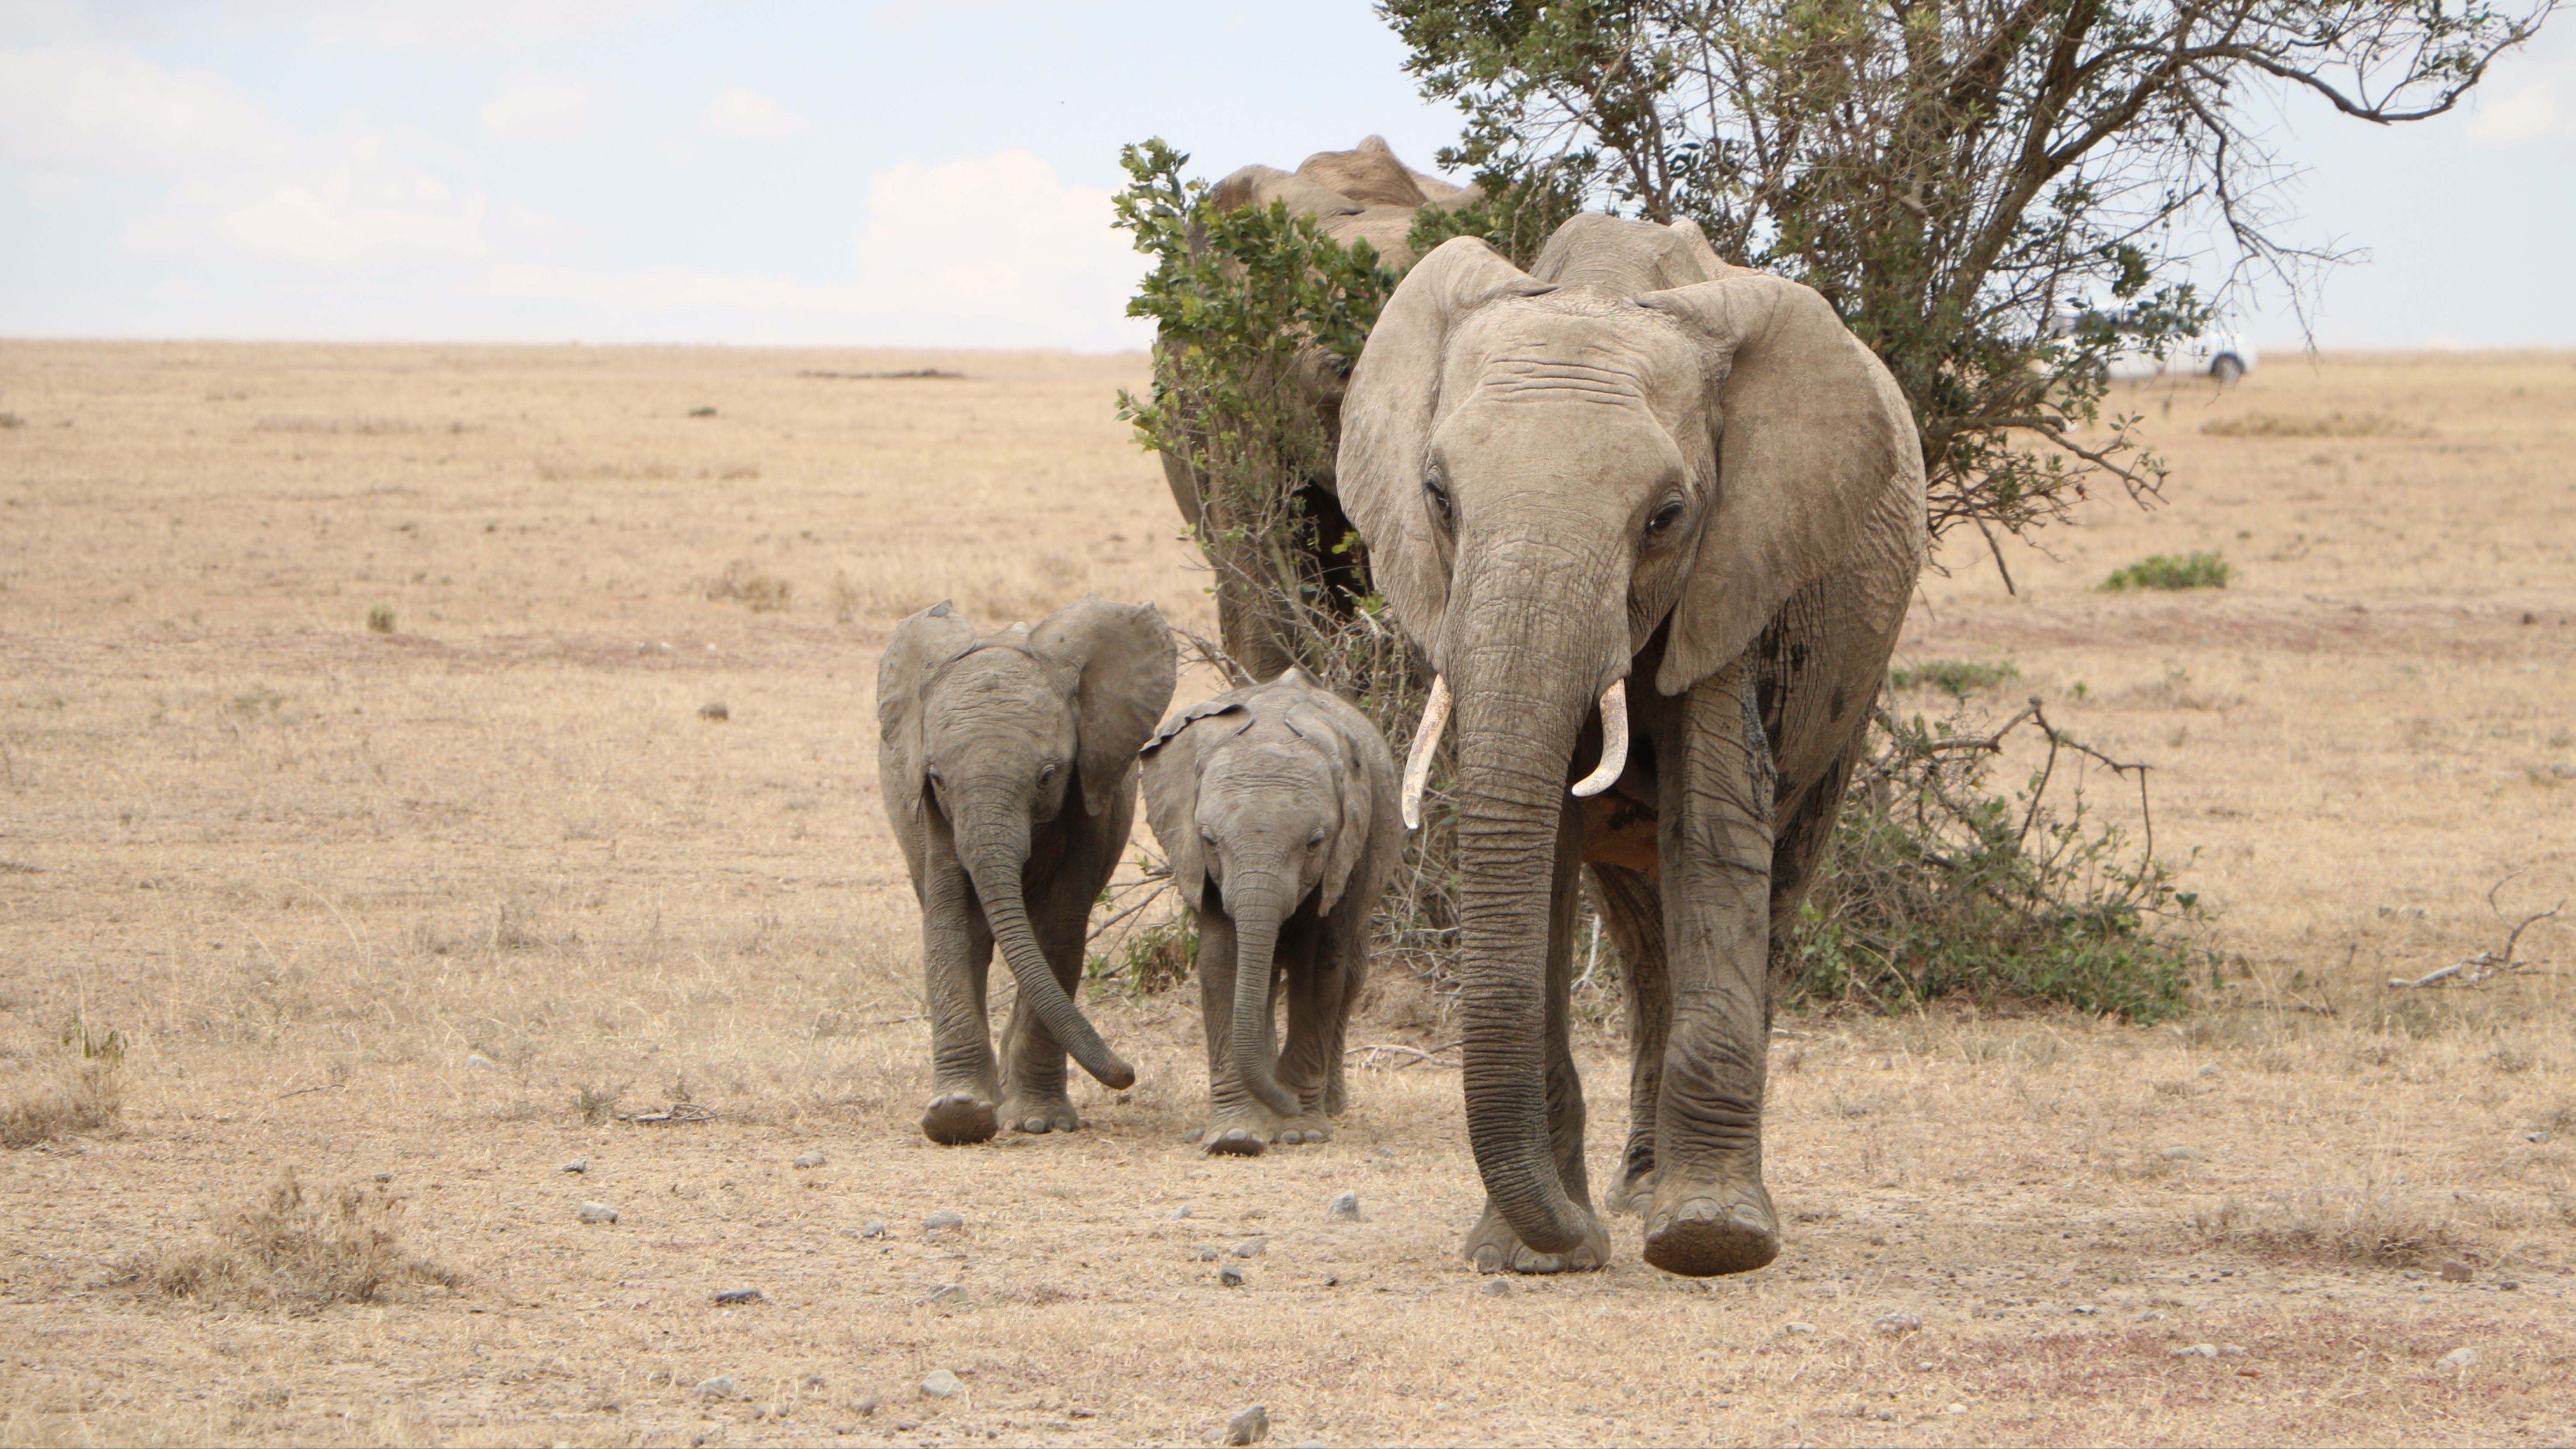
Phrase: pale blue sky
[911,172]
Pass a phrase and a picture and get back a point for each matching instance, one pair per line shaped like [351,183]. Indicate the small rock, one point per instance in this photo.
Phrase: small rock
[2508,1286]
[1800,1328]
[598,1212]
[943,1220]
[1180,1212]
[769,1411]
[1344,1208]
[2208,1069]
[2086,1308]
[1194,1134]
[1230,1276]
[873,1230]
[578,1164]
[480,1063]
[2458,1358]
[2197,1350]
[952,1294]
[719,1387]
[1249,1427]
[733,1297]
[714,709]
[1956,1409]
[1197,1172]
[2180,1154]
[1207,1254]
[1496,1288]
[810,1159]
[2151,1315]
[1252,1247]
[2537,1134]
[1898,1323]
[865,1408]
[941,1384]
[2457,1272]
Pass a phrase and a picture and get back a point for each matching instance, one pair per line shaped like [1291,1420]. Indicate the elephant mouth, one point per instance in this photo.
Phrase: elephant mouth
[1435,722]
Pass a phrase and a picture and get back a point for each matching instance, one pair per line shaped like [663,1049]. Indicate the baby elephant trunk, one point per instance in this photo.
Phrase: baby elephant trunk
[1257,901]
[996,874]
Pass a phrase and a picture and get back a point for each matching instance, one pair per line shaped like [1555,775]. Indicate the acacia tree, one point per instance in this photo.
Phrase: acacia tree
[1995,194]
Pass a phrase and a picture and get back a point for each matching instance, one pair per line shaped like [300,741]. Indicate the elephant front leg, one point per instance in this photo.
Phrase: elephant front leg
[1319,1003]
[1492,1246]
[1035,1098]
[1237,1124]
[1710,1213]
[956,955]
[1631,911]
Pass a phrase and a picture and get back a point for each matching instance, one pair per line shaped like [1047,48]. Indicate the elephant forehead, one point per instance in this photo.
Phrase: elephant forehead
[989,685]
[1282,763]
[1539,351]
[1489,438]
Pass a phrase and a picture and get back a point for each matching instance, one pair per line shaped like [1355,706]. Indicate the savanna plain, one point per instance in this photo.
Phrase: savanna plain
[423,769]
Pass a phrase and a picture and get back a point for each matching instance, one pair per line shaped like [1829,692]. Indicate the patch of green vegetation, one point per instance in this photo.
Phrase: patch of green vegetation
[1150,960]
[2172,571]
[702,412]
[1957,678]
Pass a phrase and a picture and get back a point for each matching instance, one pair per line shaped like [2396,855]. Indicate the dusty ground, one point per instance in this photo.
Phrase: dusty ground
[382,907]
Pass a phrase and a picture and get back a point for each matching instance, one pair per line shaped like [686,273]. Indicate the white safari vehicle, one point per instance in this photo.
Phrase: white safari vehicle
[2225,356]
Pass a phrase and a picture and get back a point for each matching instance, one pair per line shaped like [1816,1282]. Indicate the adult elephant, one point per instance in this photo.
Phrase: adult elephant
[1640,478]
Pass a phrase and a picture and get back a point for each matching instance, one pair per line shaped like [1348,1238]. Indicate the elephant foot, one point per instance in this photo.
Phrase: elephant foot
[1633,1191]
[1494,1248]
[1307,1129]
[954,1119]
[1036,1114]
[1701,1231]
[1248,1132]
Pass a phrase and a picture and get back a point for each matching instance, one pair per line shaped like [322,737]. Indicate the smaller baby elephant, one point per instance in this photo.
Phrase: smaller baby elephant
[1276,805]
[1008,766]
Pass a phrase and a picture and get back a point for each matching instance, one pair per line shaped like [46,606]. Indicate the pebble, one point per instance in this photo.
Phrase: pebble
[941,1384]
[1898,1323]
[2180,1154]
[598,1212]
[480,1063]
[1344,1208]
[944,1219]
[1230,1276]
[1496,1288]
[1801,1328]
[873,1230]
[1956,1409]
[2457,1272]
[1252,1247]
[2086,1308]
[810,1159]
[952,1294]
[734,1296]
[719,1387]
[1249,1427]
[1180,1212]
[2459,1358]
[1207,1254]
[1197,1172]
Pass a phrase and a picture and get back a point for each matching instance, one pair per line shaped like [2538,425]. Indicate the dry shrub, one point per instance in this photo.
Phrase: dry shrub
[60,1103]
[300,1248]
[2331,425]
[748,582]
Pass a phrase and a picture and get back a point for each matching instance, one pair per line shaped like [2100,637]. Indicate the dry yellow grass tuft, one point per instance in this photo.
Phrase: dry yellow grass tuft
[59,1100]
[2329,425]
[298,1248]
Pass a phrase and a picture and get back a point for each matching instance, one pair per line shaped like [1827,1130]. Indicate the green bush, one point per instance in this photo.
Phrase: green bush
[1938,886]
[2167,571]
[1957,678]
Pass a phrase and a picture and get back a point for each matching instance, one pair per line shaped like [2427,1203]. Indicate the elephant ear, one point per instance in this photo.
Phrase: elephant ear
[1172,793]
[1126,665]
[1365,764]
[1387,413]
[1811,435]
[921,644]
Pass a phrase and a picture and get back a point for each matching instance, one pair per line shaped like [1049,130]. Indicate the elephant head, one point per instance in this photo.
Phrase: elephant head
[1001,734]
[1265,798]
[1550,467]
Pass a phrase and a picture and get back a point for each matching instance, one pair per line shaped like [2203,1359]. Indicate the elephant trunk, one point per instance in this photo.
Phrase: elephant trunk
[994,856]
[1255,899]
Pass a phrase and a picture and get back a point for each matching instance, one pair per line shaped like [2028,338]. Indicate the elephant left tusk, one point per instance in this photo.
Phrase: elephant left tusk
[1426,743]
[1614,741]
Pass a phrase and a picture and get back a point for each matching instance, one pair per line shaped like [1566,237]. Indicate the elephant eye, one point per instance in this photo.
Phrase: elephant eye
[1439,497]
[1046,772]
[1665,517]
[1315,840]
[1207,837]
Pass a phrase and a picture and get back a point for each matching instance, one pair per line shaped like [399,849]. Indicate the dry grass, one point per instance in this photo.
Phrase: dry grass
[461,903]
[298,1249]
[59,1101]
[2331,425]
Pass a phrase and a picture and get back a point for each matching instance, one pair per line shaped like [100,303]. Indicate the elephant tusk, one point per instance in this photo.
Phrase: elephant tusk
[1614,741]
[1426,742]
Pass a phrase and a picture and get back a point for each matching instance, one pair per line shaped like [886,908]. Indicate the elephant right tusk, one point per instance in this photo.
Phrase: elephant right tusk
[1426,742]
[1614,741]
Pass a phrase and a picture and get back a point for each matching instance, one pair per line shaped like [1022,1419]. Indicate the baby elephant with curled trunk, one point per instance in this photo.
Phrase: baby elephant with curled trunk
[1276,805]
[1008,766]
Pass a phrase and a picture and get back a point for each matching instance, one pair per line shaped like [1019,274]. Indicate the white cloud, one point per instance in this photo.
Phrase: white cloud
[542,106]
[981,252]
[2538,110]
[105,107]
[747,115]
[468,28]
